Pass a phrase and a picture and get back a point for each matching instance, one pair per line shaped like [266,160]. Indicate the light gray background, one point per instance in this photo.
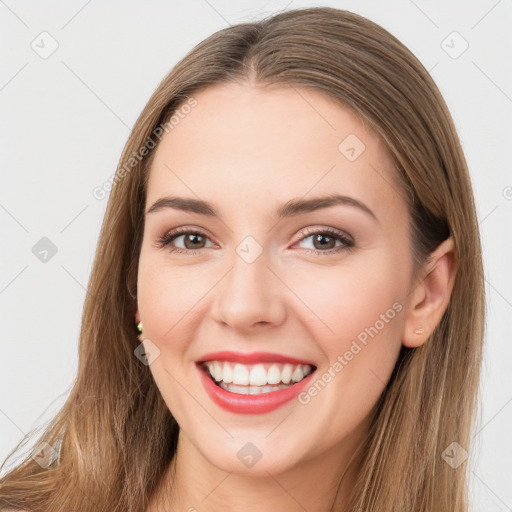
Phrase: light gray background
[65,119]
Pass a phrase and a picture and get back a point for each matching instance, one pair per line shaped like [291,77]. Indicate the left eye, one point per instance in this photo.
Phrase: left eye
[322,241]
[325,241]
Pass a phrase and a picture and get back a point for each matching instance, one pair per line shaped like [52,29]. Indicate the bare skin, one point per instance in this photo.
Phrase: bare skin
[247,151]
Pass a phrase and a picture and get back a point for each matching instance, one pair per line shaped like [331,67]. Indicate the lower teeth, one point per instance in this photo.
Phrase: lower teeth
[251,390]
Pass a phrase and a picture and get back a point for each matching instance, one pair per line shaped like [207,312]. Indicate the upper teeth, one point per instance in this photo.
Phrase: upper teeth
[257,374]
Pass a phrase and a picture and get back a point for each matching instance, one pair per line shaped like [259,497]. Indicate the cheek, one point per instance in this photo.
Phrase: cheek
[168,296]
[357,313]
[363,290]
[359,334]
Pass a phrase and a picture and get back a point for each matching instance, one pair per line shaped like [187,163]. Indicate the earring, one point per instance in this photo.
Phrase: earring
[139,330]
[419,331]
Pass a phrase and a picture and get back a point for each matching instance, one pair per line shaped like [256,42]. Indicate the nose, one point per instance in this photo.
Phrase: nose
[250,296]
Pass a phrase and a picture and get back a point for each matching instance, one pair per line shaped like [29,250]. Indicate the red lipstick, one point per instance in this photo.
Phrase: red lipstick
[252,358]
[251,403]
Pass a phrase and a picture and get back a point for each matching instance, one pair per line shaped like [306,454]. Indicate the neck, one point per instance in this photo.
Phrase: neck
[323,483]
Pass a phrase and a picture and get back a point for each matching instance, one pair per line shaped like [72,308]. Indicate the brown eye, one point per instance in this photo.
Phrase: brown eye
[183,240]
[193,241]
[321,241]
[325,241]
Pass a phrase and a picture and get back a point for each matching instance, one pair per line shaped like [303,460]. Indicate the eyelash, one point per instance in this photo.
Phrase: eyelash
[169,237]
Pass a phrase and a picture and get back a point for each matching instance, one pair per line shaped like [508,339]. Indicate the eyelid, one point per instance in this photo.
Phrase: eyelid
[306,232]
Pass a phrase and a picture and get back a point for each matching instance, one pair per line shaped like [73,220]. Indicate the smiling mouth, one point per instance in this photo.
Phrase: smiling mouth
[255,379]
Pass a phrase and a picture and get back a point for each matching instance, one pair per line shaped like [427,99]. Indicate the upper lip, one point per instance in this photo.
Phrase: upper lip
[251,358]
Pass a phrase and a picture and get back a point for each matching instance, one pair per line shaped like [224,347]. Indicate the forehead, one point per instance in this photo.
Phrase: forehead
[260,146]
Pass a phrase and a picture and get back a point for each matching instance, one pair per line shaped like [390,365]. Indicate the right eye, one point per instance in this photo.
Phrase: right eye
[192,240]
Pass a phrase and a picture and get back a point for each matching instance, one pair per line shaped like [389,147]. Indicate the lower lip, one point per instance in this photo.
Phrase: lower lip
[251,404]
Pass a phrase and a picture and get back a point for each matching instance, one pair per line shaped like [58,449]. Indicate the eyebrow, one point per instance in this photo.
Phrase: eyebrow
[289,209]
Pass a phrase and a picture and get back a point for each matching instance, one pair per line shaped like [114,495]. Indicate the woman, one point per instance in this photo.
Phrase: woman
[291,235]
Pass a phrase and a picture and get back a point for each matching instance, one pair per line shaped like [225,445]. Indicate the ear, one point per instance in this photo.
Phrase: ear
[137,316]
[431,295]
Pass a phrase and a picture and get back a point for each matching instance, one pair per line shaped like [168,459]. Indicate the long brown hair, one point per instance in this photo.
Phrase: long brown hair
[117,436]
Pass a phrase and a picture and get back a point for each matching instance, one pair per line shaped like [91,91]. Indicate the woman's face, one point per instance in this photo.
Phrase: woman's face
[300,256]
